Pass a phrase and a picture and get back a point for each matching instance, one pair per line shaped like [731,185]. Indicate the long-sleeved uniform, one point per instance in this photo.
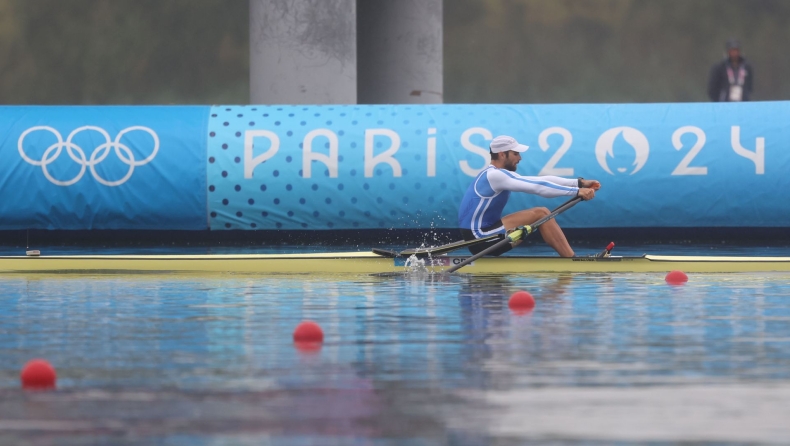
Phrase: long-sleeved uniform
[485,198]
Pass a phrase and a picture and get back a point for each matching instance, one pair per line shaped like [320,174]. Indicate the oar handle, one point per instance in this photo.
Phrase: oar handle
[518,233]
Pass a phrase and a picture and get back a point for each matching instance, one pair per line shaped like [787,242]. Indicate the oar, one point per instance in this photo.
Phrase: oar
[437,250]
[517,234]
[443,249]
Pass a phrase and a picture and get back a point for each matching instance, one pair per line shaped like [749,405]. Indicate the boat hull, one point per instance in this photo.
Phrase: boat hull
[370,263]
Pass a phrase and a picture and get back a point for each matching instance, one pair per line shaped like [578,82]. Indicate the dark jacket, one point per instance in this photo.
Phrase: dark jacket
[719,81]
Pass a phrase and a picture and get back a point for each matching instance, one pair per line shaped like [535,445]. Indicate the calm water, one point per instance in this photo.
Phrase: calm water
[603,358]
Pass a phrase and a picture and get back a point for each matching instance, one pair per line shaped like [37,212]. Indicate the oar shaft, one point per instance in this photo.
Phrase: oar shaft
[437,250]
[443,249]
[482,253]
[515,235]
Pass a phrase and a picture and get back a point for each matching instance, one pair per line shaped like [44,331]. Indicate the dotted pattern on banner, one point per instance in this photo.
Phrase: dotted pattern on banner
[438,149]
[276,192]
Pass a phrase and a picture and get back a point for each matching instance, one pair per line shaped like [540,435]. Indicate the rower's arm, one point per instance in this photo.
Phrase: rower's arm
[545,186]
[569,182]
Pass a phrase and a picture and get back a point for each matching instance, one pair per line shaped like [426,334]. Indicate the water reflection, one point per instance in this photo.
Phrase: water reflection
[421,357]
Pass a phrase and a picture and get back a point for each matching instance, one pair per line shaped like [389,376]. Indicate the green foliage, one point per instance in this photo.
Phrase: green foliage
[536,51]
[505,51]
[124,51]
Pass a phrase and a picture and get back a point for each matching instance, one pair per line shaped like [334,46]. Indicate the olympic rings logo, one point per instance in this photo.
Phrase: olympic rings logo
[76,153]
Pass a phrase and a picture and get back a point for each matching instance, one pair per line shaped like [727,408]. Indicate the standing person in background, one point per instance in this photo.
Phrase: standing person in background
[731,80]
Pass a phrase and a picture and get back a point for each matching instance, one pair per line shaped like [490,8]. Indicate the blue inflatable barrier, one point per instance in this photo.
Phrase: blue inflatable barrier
[103,167]
[376,167]
[345,167]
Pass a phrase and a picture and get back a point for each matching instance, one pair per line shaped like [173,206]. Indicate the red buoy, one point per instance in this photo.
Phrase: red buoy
[38,374]
[308,331]
[676,278]
[308,337]
[521,302]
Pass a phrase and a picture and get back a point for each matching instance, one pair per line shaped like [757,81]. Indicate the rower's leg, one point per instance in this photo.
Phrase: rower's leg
[551,231]
[553,235]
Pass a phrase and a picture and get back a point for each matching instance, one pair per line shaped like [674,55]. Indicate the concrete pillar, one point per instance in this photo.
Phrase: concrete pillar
[399,51]
[303,52]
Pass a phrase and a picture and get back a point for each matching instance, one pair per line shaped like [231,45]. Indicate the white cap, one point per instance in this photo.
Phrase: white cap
[505,143]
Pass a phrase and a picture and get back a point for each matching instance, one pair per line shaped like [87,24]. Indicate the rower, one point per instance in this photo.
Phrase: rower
[480,214]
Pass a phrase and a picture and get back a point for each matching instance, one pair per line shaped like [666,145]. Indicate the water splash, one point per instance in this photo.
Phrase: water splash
[415,265]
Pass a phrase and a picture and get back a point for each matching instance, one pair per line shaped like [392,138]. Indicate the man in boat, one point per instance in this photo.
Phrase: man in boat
[480,214]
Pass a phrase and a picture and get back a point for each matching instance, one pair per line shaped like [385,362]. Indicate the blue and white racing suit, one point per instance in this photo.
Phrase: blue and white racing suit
[480,213]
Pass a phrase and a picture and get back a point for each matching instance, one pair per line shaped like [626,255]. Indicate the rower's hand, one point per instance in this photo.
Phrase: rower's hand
[591,184]
[586,193]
